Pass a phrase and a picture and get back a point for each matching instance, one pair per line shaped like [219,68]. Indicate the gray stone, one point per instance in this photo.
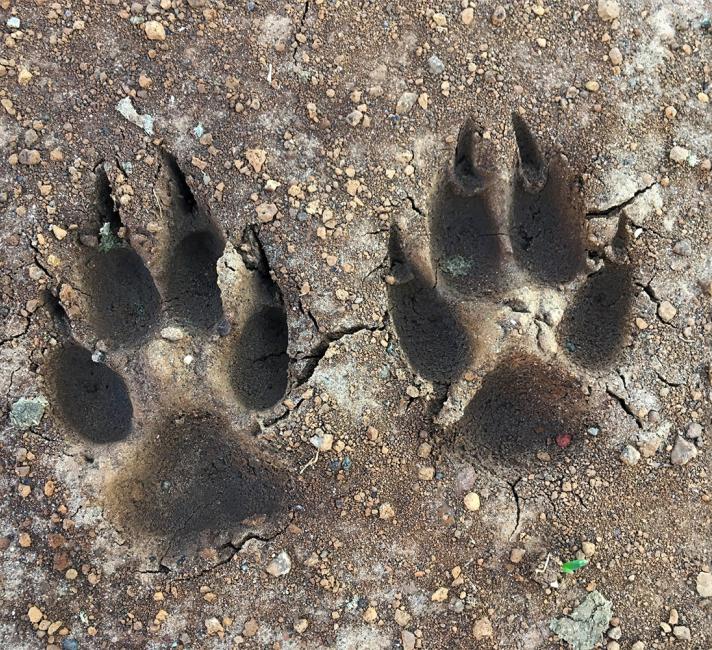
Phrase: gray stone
[585,626]
[683,452]
[26,413]
[126,108]
[405,103]
[682,633]
[683,248]
[648,443]
[694,430]
[630,455]
[172,333]
[436,65]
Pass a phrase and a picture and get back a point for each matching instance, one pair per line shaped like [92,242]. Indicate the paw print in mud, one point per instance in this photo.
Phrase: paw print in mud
[161,371]
[501,248]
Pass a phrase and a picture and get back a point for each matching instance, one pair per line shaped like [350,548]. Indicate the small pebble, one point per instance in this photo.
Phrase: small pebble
[280,566]
[517,555]
[172,333]
[683,248]
[436,65]
[682,633]
[472,501]
[679,154]
[704,584]
[499,15]
[213,626]
[35,614]
[13,22]
[408,640]
[467,16]
[666,311]
[694,430]
[440,595]
[155,31]
[482,629]
[405,103]
[323,442]
[614,54]
[683,452]
[630,455]
[608,10]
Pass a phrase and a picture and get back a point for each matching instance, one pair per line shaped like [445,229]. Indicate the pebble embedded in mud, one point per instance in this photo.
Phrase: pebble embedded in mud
[683,452]
[472,501]
[280,566]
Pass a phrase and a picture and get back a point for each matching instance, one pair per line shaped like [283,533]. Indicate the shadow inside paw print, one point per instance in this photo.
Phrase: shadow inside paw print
[193,472]
[525,402]
[428,327]
[125,302]
[190,476]
[466,244]
[92,398]
[522,404]
[192,295]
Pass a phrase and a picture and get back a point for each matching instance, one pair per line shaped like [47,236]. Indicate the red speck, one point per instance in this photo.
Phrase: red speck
[563,440]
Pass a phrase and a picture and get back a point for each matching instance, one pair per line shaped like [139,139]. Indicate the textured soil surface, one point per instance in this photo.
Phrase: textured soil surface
[343,324]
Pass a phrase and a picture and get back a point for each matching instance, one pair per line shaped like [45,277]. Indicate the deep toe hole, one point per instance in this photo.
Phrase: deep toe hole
[260,363]
[192,292]
[90,397]
[465,243]
[125,301]
[523,406]
[594,326]
[192,477]
[428,328]
[547,227]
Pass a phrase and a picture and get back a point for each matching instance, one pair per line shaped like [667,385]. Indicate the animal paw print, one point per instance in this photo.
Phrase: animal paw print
[498,250]
[162,378]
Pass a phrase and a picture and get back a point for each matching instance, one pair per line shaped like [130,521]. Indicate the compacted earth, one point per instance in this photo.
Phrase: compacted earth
[352,324]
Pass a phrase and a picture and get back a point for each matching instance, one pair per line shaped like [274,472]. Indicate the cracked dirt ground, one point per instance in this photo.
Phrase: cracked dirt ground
[319,489]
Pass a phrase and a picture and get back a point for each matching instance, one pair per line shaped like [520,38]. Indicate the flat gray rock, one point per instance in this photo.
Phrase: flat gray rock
[585,626]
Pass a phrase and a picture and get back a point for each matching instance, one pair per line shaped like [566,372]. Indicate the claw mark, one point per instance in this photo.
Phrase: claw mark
[192,292]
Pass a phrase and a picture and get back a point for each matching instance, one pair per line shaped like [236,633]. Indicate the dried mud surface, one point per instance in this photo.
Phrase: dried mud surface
[365,318]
